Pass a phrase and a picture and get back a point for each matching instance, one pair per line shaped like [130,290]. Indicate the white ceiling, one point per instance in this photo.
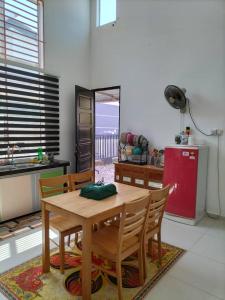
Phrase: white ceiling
[107,96]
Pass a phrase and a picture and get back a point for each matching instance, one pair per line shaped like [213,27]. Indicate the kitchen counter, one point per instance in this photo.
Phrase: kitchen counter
[19,186]
[31,167]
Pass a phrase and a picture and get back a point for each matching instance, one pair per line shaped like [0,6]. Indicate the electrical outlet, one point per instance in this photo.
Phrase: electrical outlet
[214,132]
[217,132]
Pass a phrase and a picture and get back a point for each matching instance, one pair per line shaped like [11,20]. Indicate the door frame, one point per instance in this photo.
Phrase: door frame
[118,87]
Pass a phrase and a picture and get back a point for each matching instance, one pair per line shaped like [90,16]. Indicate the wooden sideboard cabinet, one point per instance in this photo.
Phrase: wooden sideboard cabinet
[145,176]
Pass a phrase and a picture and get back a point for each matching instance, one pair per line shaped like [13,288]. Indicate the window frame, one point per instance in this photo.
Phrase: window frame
[6,58]
[98,15]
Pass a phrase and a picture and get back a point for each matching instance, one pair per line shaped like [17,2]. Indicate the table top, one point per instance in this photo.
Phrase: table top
[72,202]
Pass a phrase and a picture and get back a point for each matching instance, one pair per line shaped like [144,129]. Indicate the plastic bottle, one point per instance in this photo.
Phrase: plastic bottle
[190,140]
[40,153]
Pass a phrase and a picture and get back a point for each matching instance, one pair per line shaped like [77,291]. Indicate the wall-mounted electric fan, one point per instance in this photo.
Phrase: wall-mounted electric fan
[176,97]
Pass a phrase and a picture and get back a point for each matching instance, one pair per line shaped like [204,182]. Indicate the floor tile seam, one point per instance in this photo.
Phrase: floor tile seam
[207,257]
[193,286]
[198,240]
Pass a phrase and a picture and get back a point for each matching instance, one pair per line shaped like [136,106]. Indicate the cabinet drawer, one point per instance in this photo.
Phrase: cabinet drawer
[142,176]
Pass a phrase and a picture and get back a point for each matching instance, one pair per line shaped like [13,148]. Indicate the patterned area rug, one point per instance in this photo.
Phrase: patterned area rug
[27,282]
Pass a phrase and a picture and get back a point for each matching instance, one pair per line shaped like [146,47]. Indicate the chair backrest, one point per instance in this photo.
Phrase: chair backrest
[158,199]
[78,180]
[54,185]
[133,221]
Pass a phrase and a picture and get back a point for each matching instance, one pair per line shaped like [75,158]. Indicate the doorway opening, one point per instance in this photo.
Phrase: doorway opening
[107,124]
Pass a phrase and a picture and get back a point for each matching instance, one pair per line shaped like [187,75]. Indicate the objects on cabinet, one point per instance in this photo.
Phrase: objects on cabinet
[122,153]
[40,154]
[156,157]
[161,158]
[190,136]
[133,148]
[51,157]
[178,139]
[184,138]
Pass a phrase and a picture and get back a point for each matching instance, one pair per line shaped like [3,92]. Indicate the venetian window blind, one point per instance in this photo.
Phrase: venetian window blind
[29,111]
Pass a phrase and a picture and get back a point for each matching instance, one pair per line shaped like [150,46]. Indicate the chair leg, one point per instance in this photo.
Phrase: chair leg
[159,248]
[150,247]
[76,238]
[95,227]
[61,252]
[119,279]
[141,266]
[68,241]
[101,224]
[144,259]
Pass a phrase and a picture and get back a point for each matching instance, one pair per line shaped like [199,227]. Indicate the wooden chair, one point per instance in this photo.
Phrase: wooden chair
[78,180]
[115,243]
[157,205]
[65,225]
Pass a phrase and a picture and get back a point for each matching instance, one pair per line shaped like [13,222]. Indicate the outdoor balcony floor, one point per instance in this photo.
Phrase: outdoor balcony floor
[105,171]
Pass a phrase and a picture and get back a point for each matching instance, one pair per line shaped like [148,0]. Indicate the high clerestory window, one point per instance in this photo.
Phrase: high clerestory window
[21,31]
[106,12]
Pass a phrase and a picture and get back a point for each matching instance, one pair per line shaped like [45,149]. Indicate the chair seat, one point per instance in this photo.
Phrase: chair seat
[64,223]
[105,241]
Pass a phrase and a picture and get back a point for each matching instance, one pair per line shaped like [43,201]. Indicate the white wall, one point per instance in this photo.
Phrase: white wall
[67,53]
[156,43]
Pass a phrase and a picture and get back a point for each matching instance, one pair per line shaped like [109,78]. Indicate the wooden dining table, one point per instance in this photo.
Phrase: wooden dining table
[87,212]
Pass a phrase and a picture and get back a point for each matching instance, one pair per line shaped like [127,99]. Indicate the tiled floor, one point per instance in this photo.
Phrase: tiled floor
[198,275]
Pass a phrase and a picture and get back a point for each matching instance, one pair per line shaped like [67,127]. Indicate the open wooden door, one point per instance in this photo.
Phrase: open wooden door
[84,131]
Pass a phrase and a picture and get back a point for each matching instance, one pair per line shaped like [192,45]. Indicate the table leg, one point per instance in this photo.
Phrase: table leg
[86,261]
[65,170]
[45,240]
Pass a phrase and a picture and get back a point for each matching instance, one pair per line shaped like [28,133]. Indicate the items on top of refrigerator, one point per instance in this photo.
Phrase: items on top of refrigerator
[185,137]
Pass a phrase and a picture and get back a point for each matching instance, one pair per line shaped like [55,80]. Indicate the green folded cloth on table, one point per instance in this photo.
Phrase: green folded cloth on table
[98,191]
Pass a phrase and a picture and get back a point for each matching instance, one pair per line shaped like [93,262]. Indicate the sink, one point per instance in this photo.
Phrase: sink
[6,168]
[17,166]
[25,165]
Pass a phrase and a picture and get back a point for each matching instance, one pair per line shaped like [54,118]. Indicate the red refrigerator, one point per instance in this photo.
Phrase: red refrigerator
[185,169]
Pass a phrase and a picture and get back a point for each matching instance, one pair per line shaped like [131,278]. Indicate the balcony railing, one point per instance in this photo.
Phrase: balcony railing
[106,147]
